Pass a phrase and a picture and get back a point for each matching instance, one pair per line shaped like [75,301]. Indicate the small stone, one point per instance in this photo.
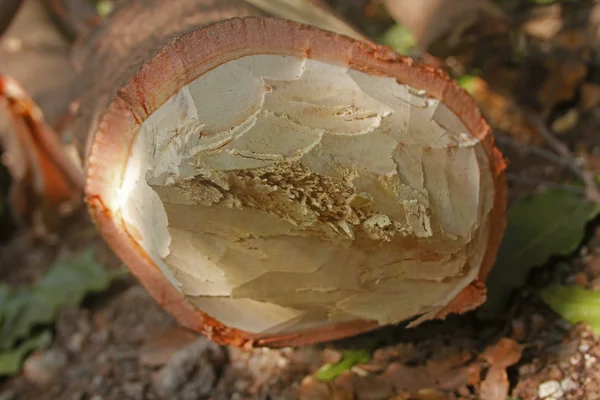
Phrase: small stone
[569,385]
[538,322]
[555,373]
[584,347]
[527,369]
[550,388]
[575,359]
[519,331]
[192,370]
[134,390]
[42,367]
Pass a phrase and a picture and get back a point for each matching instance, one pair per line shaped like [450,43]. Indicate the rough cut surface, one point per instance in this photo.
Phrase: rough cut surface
[280,193]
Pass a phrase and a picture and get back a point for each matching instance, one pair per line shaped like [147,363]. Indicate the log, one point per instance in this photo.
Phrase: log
[275,184]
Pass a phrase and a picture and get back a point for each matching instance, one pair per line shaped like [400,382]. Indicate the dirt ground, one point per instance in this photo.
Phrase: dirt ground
[121,345]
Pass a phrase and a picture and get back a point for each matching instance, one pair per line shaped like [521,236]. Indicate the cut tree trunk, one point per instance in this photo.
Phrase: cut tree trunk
[274,184]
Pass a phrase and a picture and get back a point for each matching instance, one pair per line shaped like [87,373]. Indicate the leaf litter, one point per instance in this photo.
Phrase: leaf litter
[23,310]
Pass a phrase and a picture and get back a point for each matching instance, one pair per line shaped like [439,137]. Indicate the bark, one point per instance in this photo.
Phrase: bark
[128,38]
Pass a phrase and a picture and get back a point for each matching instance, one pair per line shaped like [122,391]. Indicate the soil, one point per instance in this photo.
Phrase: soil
[121,345]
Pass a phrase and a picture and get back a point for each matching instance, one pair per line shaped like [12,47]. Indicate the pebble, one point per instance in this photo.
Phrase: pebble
[42,367]
[575,359]
[135,390]
[584,347]
[191,371]
[550,388]
[569,385]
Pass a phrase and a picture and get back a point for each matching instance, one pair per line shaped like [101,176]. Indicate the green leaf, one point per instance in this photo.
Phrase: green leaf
[349,359]
[574,303]
[104,7]
[10,361]
[400,39]
[65,284]
[539,227]
[467,82]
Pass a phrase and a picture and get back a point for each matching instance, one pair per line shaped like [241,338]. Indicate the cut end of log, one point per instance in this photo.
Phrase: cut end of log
[276,184]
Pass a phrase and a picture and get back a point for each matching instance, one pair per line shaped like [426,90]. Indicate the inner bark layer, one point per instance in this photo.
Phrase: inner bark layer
[280,193]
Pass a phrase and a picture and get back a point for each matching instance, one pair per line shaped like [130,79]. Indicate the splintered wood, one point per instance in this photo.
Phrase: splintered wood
[282,193]
[272,183]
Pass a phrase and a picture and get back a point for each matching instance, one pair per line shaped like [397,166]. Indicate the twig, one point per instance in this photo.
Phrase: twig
[548,184]
[539,151]
[591,188]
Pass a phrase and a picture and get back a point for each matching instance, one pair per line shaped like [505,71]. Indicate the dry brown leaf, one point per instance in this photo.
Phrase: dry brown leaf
[158,349]
[495,385]
[503,354]
[566,121]
[367,387]
[500,111]
[544,22]
[431,394]
[446,374]
[313,389]
[563,80]
[46,183]
[590,96]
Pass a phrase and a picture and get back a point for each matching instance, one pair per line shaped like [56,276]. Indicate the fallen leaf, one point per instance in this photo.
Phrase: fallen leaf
[349,359]
[468,82]
[504,353]
[65,284]
[447,374]
[590,96]
[158,349]
[313,389]
[544,22]
[573,303]
[46,184]
[495,386]
[430,394]
[551,223]
[368,387]
[566,121]
[564,78]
